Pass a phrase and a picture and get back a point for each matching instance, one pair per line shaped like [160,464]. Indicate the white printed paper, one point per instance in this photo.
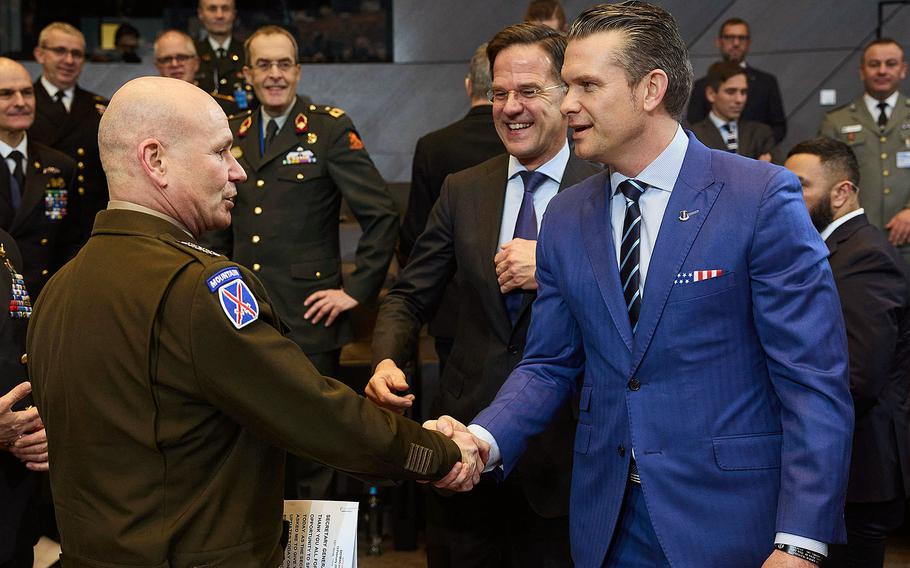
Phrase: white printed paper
[323,534]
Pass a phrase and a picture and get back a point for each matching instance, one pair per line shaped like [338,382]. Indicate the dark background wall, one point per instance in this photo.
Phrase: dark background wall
[808,44]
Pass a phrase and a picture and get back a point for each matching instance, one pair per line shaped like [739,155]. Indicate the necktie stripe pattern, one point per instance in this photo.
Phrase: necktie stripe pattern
[629,274]
[525,228]
[731,140]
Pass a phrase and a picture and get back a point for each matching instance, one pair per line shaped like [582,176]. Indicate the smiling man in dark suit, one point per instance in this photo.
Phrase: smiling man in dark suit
[874,288]
[482,234]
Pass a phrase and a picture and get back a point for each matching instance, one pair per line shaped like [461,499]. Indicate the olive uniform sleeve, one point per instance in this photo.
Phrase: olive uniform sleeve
[366,193]
[263,381]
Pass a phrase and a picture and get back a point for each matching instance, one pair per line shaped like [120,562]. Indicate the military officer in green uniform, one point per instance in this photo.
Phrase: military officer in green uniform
[876,126]
[220,53]
[167,424]
[175,57]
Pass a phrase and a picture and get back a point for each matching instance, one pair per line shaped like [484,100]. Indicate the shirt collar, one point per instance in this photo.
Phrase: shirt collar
[5,148]
[719,122]
[662,172]
[130,206]
[52,89]
[215,45]
[279,120]
[553,169]
[872,102]
[840,221]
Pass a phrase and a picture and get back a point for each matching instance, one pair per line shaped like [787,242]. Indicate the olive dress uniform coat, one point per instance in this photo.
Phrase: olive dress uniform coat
[167,424]
[75,134]
[285,221]
[885,186]
[48,233]
[220,75]
[753,138]
[18,485]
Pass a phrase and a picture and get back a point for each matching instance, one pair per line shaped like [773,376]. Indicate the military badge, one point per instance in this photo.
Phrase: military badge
[198,247]
[56,182]
[311,138]
[299,156]
[55,200]
[334,112]
[851,137]
[245,126]
[20,305]
[354,141]
[300,123]
[50,170]
[238,303]
[237,152]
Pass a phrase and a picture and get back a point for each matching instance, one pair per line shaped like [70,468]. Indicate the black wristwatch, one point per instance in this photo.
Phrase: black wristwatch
[803,553]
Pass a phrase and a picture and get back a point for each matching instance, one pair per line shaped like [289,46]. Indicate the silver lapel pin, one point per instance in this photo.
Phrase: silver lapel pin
[686,215]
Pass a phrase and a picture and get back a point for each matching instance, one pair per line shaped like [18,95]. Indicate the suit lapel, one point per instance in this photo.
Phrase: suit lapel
[286,137]
[44,105]
[745,140]
[250,142]
[5,196]
[695,190]
[35,184]
[489,222]
[597,234]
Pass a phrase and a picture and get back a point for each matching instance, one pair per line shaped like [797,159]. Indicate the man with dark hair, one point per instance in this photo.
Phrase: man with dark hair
[126,42]
[764,103]
[873,283]
[691,290]
[482,234]
[727,91]
[548,13]
[220,53]
[876,125]
[462,144]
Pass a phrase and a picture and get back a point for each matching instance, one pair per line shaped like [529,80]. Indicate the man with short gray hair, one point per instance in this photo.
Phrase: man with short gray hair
[175,57]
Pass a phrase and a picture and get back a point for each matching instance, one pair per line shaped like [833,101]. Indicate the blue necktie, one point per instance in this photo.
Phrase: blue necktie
[629,275]
[525,228]
[17,179]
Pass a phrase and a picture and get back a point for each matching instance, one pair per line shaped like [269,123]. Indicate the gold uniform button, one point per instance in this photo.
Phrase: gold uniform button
[81,191]
[260,182]
[80,177]
[318,274]
[886,173]
[299,176]
[255,239]
[257,210]
[882,139]
[43,241]
[886,191]
[256,267]
[44,272]
[234,58]
[80,165]
[24,359]
[223,81]
[884,155]
[80,151]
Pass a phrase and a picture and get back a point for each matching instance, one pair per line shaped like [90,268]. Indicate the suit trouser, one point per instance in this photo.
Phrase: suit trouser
[493,526]
[868,525]
[306,479]
[634,543]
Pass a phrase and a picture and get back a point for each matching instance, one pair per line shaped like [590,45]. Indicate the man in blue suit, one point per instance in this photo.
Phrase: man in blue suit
[691,289]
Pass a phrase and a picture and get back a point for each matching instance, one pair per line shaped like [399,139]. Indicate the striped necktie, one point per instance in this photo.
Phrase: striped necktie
[629,275]
[730,138]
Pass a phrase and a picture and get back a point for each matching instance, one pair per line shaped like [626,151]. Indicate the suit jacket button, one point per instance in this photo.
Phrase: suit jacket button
[634,384]
[513,349]
[621,450]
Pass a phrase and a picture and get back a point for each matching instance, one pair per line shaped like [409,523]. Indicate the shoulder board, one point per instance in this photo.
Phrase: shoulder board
[334,112]
[240,116]
[197,251]
[218,95]
[846,106]
[101,100]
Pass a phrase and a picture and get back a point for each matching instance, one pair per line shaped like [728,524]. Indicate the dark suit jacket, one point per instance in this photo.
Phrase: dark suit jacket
[18,486]
[46,242]
[873,282]
[462,144]
[754,138]
[220,75]
[460,242]
[764,103]
[76,135]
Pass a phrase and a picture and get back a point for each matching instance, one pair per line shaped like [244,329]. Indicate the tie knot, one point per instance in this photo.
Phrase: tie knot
[58,97]
[882,105]
[532,180]
[632,189]
[271,128]
[15,155]
[220,52]
[729,127]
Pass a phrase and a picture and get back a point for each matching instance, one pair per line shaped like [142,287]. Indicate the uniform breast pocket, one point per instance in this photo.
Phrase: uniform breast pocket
[300,173]
[321,273]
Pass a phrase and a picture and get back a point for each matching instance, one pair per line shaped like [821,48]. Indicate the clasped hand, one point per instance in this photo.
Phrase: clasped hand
[21,431]
[474,454]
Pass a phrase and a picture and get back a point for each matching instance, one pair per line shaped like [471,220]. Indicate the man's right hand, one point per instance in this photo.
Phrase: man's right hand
[386,379]
[474,454]
[15,424]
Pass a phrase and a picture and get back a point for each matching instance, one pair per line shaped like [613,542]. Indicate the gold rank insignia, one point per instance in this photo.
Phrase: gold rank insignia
[245,126]
[237,152]
[300,123]
[51,170]
[311,138]
[56,183]
[335,112]
[354,141]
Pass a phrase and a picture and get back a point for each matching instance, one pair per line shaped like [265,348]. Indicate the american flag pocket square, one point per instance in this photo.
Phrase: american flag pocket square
[697,276]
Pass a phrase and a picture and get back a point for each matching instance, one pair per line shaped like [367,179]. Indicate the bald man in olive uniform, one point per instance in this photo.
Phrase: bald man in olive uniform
[167,424]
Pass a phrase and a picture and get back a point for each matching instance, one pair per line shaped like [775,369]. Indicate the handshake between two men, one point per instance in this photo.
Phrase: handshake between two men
[475,453]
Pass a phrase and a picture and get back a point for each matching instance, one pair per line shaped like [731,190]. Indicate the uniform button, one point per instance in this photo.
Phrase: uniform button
[80,165]
[255,239]
[260,182]
[884,155]
[513,349]
[621,450]
[886,173]
[256,267]
[43,241]
[80,177]
[299,176]
[223,81]
[24,359]
[80,151]
[634,384]
[257,210]
[882,139]
[44,272]
[234,58]
[887,191]
[318,274]
[81,191]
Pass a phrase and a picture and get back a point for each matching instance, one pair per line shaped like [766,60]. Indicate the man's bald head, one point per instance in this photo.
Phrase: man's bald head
[165,144]
[17,101]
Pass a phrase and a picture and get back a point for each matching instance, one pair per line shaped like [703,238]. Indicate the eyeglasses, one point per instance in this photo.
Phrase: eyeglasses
[62,52]
[525,93]
[180,58]
[731,38]
[283,65]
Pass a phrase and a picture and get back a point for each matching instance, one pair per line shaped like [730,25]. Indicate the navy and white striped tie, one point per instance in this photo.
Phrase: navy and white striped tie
[629,275]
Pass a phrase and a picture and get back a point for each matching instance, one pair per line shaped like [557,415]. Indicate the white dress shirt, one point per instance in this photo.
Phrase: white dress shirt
[5,149]
[872,105]
[840,221]
[52,91]
[216,46]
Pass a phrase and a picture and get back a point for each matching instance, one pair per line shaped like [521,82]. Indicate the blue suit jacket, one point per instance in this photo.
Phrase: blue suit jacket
[743,419]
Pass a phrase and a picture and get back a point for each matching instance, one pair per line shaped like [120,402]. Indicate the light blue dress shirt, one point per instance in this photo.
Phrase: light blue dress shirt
[515,189]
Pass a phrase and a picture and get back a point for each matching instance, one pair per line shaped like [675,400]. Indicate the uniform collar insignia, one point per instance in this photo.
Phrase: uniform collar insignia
[245,126]
[300,123]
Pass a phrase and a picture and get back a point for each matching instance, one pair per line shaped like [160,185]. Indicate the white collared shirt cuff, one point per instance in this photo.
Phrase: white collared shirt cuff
[802,542]
[485,435]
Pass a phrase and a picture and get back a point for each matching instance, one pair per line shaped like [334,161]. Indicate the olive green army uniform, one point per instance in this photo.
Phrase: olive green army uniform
[883,155]
[167,421]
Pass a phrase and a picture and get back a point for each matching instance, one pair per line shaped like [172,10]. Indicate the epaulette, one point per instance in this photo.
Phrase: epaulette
[240,115]
[217,95]
[100,103]
[849,105]
[197,251]
[334,112]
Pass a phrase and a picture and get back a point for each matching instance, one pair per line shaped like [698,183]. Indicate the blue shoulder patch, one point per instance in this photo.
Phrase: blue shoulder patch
[238,303]
[223,277]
